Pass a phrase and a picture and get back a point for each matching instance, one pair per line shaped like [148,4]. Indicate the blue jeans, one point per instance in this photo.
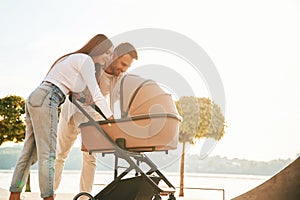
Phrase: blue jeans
[40,138]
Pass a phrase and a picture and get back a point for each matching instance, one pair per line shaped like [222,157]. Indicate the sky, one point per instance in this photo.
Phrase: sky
[254,45]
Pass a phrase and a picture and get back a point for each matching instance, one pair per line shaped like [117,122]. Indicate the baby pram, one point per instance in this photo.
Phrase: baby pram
[149,122]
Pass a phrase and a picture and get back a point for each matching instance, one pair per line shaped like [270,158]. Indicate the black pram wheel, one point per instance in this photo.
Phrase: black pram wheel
[171,197]
[83,194]
[157,197]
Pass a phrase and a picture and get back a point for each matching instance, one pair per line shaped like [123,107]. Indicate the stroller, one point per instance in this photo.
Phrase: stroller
[149,122]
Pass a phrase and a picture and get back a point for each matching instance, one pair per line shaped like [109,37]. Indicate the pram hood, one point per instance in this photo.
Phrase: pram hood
[139,96]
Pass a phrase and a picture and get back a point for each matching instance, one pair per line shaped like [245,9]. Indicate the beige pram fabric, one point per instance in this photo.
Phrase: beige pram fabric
[149,120]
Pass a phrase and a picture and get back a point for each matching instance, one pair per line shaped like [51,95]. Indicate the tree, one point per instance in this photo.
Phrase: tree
[202,118]
[12,126]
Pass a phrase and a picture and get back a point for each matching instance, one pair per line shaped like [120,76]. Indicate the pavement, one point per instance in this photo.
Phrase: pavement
[4,195]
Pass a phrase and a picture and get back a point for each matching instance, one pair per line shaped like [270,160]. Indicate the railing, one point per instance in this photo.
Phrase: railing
[215,189]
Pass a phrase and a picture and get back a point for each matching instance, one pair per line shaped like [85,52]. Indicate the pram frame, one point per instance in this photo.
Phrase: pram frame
[128,156]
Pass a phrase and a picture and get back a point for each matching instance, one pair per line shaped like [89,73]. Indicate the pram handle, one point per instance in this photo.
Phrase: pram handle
[94,106]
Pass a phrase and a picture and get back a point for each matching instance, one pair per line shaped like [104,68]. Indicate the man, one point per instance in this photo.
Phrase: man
[108,78]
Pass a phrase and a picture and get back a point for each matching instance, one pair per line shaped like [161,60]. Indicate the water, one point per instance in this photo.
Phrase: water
[233,185]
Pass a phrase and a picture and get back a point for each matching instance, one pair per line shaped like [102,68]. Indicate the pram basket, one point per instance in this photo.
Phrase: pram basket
[149,122]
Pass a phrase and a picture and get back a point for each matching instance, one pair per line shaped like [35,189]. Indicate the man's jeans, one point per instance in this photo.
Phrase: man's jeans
[40,139]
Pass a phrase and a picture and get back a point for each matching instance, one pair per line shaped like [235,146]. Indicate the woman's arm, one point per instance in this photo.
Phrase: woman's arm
[88,74]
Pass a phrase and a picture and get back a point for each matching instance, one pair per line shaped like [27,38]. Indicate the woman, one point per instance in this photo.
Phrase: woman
[71,73]
[70,117]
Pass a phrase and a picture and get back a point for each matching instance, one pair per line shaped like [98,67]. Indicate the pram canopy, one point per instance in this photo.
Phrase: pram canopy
[149,120]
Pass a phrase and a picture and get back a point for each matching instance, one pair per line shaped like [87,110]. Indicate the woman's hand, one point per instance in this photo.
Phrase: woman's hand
[88,97]
[88,100]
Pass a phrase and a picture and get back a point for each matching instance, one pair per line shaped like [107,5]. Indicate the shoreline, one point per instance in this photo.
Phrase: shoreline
[186,174]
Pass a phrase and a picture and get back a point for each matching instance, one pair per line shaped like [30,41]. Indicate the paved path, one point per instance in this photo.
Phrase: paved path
[4,194]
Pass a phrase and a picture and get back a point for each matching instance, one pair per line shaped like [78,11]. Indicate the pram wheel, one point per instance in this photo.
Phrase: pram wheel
[157,197]
[84,194]
[171,197]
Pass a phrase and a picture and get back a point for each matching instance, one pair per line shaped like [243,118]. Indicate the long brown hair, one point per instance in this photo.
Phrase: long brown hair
[98,45]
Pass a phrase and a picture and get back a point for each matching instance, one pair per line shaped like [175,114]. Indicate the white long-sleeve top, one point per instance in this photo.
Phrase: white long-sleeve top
[73,74]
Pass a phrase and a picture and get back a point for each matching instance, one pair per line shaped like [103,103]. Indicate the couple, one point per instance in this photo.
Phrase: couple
[94,70]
